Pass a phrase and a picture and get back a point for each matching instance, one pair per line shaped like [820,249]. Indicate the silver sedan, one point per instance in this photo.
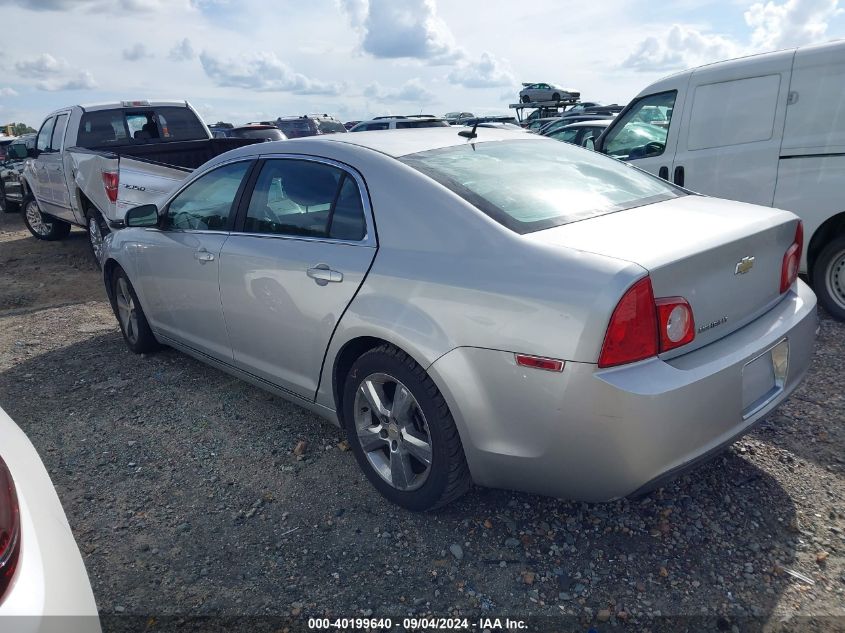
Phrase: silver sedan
[501,309]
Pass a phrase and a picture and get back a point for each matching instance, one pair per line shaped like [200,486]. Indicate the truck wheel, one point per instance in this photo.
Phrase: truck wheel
[41,226]
[828,277]
[402,432]
[133,323]
[97,231]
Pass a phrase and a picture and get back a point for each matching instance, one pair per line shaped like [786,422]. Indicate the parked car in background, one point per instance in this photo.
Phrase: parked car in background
[545,92]
[491,119]
[399,123]
[11,169]
[262,132]
[350,124]
[560,122]
[42,575]
[513,322]
[536,124]
[91,163]
[458,118]
[5,141]
[584,133]
[767,129]
[309,125]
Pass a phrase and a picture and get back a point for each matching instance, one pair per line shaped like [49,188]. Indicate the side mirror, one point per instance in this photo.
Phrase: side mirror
[33,152]
[145,216]
[17,151]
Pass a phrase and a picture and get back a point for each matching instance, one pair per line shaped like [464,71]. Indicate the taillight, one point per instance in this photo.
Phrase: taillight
[675,324]
[10,529]
[792,259]
[632,332]
[538,362]
[642,326]
[110,183]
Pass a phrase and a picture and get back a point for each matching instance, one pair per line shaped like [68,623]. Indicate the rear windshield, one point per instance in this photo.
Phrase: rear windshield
[123,126]
[295,128]
[330,127]
[272,134]
[529,185]
[421,123]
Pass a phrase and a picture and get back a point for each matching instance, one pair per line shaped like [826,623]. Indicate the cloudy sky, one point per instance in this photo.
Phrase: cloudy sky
[240,60]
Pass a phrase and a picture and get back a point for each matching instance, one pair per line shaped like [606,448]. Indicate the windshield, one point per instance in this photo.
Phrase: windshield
[271,134]
[122,126]
[330,127]
[529,185]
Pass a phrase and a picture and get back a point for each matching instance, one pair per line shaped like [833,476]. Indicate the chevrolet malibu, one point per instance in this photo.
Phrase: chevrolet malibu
[486,306]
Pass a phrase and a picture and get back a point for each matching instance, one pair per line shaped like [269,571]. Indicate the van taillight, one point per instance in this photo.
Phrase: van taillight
[642,326]
[110,183]
[792,259]
[10,529]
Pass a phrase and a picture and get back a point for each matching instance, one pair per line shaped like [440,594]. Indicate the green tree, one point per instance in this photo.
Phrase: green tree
[21,128]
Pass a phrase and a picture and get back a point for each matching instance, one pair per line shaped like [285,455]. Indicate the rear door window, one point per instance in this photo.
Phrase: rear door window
[58,135]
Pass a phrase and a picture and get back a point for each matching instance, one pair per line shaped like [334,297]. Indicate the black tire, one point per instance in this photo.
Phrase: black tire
[97,229]
[556,96]
[41,226]
[139,337]
[448,475]
[526,99]
[5,205]
[828,277]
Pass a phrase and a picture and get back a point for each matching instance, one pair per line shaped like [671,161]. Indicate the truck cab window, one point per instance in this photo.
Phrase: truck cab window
[45,134]
[58,133]
[641,132]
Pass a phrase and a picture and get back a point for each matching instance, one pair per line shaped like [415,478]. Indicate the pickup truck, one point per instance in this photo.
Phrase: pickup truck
[90,164]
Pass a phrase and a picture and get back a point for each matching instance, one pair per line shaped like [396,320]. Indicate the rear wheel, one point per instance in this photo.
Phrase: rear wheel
[526,99]
[402,432]
[133,323]
[41,226]
[556,96]
[97,231]
[829,277]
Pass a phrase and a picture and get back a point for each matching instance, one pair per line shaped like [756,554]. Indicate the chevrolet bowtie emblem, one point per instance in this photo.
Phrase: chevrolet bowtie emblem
[744,265]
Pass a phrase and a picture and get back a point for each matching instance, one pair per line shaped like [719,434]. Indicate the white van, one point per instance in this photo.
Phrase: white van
[767,129]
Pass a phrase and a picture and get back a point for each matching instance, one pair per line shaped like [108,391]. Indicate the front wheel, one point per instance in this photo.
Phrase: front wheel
[401,431]
[526,99]
[97,231]
[133,322]
[556,97]
[828,277]
[41,226]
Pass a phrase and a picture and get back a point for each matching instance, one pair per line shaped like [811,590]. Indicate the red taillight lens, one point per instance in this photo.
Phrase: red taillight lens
[632,332]
[792,259]
[10,529]
[110,183]
[675,323]
[537,362]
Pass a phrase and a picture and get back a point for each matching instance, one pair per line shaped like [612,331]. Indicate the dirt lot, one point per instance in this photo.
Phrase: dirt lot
[186,498]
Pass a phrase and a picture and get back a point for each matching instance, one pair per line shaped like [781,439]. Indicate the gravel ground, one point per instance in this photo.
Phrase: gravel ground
[187,498]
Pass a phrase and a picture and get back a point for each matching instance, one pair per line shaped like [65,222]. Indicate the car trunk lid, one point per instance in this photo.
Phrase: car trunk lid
[724,258]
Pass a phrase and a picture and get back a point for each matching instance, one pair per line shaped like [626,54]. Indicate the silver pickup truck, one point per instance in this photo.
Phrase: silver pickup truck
[92,163]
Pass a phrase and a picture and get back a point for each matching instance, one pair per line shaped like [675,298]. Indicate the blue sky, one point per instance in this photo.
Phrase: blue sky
[254,59]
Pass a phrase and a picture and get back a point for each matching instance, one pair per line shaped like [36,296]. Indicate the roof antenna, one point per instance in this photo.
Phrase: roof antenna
[469,134]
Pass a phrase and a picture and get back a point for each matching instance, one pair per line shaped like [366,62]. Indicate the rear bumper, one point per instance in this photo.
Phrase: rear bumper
[50,591]
[596,435]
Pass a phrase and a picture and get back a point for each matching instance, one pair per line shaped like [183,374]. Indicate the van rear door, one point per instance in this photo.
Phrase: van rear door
[646,132]
[732,128]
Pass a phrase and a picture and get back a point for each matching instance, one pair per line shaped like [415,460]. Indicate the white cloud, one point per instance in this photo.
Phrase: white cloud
[182,51]
[263,72]
[412,90]
[8,92]
[45,65]
[136,53]
[681,47]
[487,72]
[792,23]
[82,81]
[402,29]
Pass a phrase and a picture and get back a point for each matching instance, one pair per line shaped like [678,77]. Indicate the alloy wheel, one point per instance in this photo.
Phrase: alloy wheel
[393,431]
[126,310]
[835,279]
[95,235]
[36,220]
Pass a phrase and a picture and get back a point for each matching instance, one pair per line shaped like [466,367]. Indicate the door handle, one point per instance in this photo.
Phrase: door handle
[679,176]
[663,172]
[322,274]
[203,256]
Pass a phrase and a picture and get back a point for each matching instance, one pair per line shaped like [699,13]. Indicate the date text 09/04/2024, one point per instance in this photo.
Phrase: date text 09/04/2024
[416,624]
